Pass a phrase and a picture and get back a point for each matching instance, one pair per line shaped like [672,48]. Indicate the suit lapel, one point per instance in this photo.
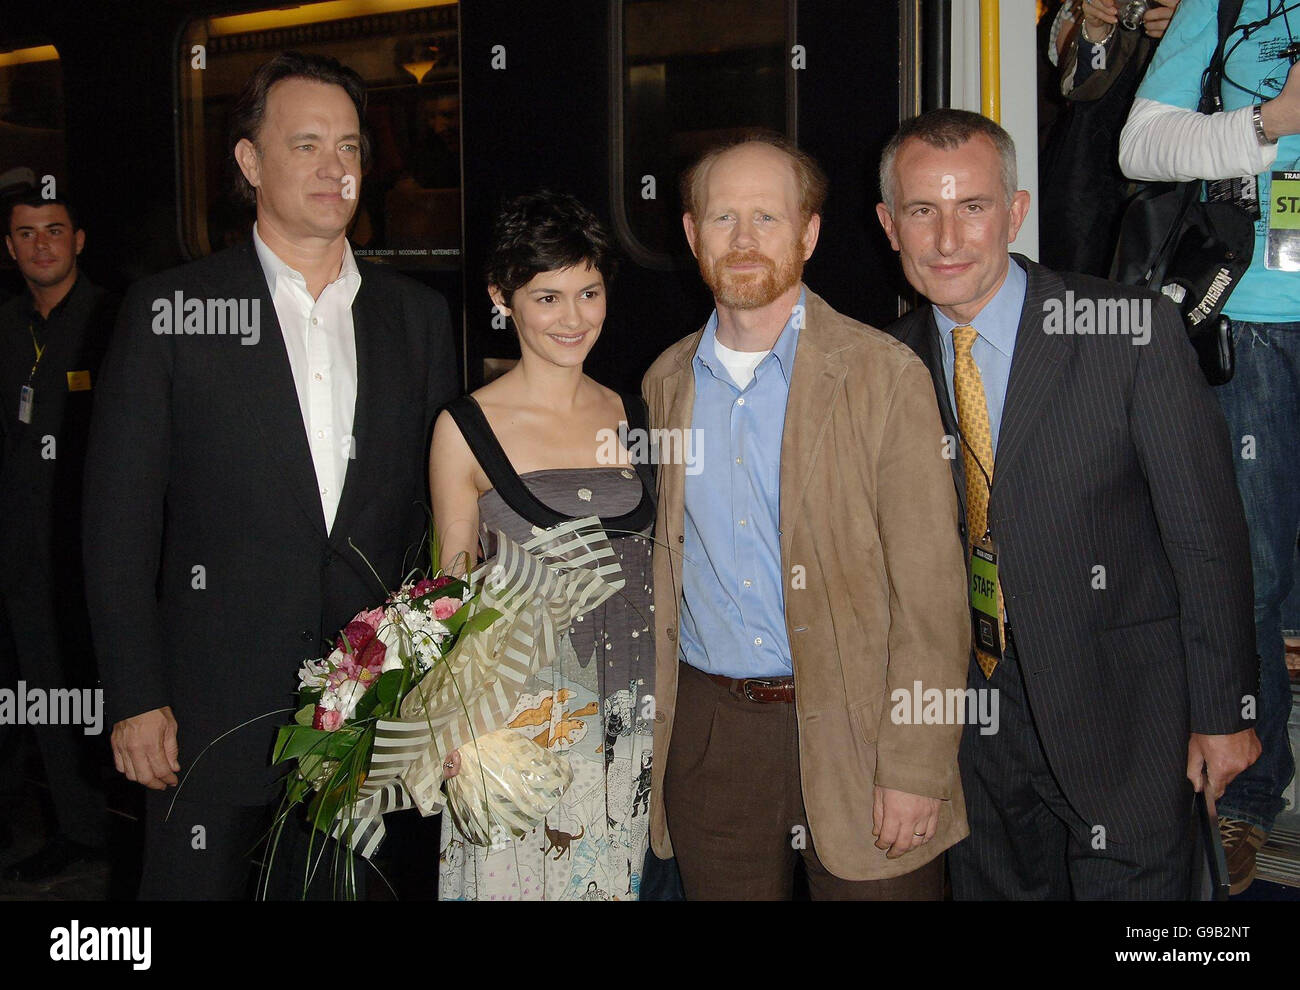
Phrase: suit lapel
[1035,366]
[928,349]
[275,410]
[814,383]
[679,408]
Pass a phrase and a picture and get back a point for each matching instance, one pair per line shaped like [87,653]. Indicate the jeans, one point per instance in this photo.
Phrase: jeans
[1262,407]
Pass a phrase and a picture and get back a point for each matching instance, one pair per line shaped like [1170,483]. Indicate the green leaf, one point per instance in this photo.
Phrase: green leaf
[388,688]
[297,741]
[305,714]
[479,621]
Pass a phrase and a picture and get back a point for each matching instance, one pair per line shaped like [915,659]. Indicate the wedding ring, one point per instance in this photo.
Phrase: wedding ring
[919,835]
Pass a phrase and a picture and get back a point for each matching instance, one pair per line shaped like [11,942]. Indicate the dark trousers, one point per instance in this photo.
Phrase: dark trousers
[211,852]
[1027,843]
[735,805]
[36,637]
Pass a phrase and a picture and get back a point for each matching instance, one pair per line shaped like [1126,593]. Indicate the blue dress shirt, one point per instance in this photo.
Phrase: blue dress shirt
[733,598]
[996,325]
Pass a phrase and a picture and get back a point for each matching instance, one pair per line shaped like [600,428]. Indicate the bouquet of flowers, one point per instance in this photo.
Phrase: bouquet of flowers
[349,699]
[438,668]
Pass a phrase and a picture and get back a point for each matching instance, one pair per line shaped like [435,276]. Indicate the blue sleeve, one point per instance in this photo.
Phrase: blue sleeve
[1174,75]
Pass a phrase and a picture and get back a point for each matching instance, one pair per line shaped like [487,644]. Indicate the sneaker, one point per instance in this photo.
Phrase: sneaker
[1241,841]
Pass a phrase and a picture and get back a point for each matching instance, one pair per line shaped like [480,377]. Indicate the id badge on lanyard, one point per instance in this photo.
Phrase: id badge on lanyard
[26,400]
[1282,242]
[985,619]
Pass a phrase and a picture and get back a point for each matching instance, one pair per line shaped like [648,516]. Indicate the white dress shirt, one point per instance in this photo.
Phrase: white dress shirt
[321,342]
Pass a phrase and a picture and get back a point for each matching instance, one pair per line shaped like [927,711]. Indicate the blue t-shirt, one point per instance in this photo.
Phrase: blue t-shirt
[1174,78]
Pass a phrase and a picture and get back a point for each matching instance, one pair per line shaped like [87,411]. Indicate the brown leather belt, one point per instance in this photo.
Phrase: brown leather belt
[763,690]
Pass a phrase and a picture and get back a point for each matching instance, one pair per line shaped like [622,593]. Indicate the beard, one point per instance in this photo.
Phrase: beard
[752,290]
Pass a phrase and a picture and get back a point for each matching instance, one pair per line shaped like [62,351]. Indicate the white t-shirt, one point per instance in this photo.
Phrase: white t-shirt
[739,364]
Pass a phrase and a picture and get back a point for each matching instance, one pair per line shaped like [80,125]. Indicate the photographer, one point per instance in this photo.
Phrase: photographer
[1102,47]
[1242,153]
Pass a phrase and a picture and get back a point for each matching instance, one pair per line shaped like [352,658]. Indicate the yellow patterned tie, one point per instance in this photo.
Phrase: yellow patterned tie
[976,451]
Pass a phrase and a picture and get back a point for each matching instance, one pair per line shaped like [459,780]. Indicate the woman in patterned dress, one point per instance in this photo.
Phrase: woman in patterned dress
[526,451]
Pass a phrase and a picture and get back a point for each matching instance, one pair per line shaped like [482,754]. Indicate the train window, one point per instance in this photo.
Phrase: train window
[686,75]
[407,51]
[32,147]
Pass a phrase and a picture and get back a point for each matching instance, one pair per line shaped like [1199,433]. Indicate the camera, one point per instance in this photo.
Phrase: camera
[1130,14]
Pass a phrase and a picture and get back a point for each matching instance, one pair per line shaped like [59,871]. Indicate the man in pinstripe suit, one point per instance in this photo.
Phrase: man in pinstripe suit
[1111,591]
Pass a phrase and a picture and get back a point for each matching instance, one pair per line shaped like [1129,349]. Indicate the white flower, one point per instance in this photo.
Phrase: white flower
[584,494]
[312,673]
[392,633]
[343,699]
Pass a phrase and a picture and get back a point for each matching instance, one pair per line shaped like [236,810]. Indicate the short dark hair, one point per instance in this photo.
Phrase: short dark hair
[546,231]
[34,199]
[947,129]
[250,109]
[808,175]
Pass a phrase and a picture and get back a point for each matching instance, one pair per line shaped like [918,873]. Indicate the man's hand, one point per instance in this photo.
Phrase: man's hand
[1281,115]
[1222,757]
[901,822]
[1156,20]
[145,749]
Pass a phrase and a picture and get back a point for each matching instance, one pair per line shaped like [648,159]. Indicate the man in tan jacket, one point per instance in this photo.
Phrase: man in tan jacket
[809,590]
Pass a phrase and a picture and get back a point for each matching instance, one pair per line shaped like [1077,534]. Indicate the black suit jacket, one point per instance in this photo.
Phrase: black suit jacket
[210,573]
[1115,455]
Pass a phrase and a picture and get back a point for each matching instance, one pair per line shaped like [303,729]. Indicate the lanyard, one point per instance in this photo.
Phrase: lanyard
[40,350]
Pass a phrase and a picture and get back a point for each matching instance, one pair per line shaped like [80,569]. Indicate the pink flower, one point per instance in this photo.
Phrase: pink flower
[361,630]
[445,608]
[329,721]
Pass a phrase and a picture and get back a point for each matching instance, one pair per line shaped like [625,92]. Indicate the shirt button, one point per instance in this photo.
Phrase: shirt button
[742,522]
[317,376]
[321,434]
[324,491]
[748,582]
[314,321]
[758,640]
[740,460]
[740,401]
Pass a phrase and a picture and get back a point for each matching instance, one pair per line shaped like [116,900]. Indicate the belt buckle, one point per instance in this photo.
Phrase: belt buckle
[761,681]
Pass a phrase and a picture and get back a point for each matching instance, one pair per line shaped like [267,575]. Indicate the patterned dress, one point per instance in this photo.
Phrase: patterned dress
[594,705]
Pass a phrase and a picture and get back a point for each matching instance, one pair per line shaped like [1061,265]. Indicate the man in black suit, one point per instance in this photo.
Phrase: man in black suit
[52,339]
[1110,572]
[262,423]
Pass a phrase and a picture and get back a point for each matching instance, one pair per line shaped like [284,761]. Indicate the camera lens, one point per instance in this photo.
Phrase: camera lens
[1130,17]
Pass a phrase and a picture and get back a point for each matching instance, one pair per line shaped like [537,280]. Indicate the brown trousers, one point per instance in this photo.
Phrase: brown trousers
[735,805]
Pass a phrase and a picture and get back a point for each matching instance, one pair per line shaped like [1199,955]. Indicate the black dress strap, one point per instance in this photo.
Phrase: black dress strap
[492,458]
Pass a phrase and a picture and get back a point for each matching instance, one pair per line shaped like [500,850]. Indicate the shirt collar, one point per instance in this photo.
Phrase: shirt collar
[59,306]
[273,268]
[999,320]
[782,351]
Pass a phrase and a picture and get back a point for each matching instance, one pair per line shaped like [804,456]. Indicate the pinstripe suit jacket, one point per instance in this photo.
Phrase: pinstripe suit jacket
[1124,559]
